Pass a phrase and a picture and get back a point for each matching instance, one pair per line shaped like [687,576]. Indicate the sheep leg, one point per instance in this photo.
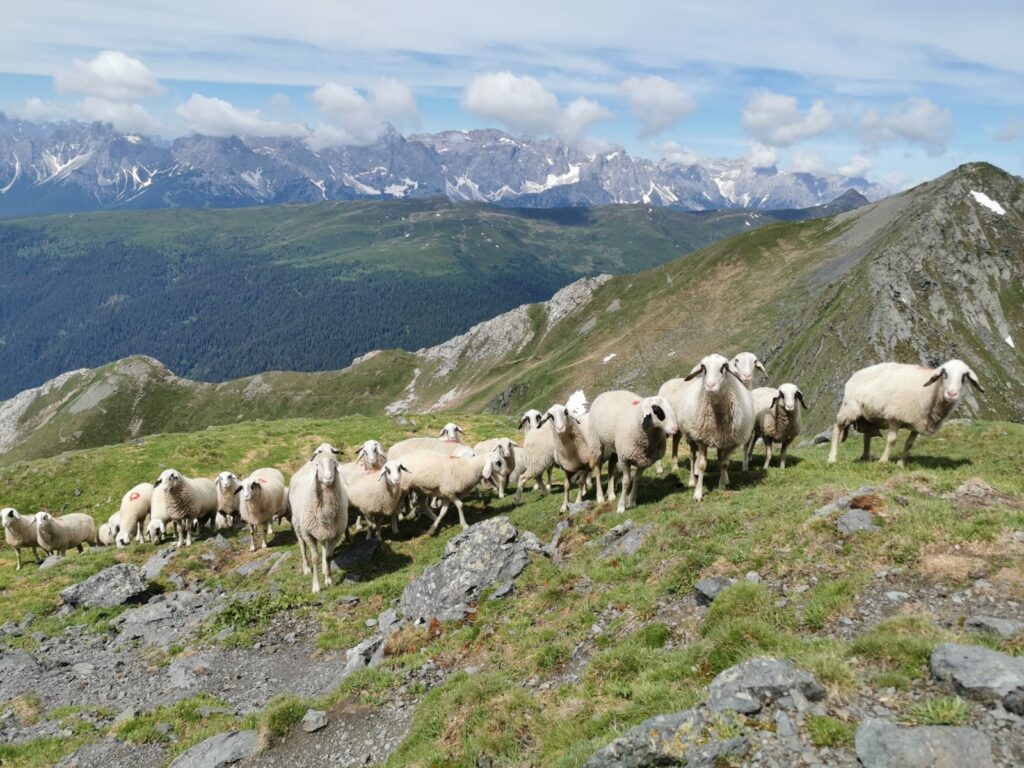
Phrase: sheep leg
[438,519]
[565,495]
[612,461]
[325,563]
[462,517]
[782,454]
[693,460]
[659,468]
[501,487]
[723,463]
[305,559]
[138,532]
[634,486]
[596,470]
[546,489]
[833,453]
[35,554]
[767,452]
[890,441]
[697,467]
[906,450]
[866,455]
[17,551]
[519,488]
[252,537]
[268,533]
[316,575]
[80,549]
[624,496]
[675,452]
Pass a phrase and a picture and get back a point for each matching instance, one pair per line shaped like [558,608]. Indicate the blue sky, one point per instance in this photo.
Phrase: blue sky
[896,91]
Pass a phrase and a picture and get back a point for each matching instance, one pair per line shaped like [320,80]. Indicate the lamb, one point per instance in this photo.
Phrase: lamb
[631,431]
[576,451]
[319,502]
[377,495]
[505,448]
[263,497]
[370,456]
[448,478]
[133,512]
[713,411]
[59,534]
[899,396]
[538,454]
[19,531]
[227,499]
[447,443]
[188,500]
[776,420]
[744,365]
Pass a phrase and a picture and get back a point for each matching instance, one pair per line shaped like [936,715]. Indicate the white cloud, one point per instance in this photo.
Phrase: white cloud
[762,156]
[858,166]
[356,119]
[1013,130]
[216,117]
[280,104]
[524,105]
[917,120]
[675,153]
[807,162]
[111,76]
[656,103]
[777,121]
[130,118]
[36,110]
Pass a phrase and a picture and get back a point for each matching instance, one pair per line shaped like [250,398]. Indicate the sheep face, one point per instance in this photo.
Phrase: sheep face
[531,419]
[657,413]
[371,454]
[744,365]
[451,432]
[226,481]
[169,480]
[251,489]
[494,465]
[326,469]
[953,374]
[713,369]
[43,518]
[392,473]
[504,448]
[8,515]
[559,417]
[326,448]
[156,531]
[790,395]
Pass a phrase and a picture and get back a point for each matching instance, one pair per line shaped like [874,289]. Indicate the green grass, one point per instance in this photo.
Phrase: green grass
[825,731]
[940,710]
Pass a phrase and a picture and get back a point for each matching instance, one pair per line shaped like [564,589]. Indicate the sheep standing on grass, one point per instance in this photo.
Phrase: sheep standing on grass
[262,497]
[377,495]
[538,454]
[227,484]
[631,431]
[59,534]
[776,420]
[19,531]
[319,502]
[132,514]
[714,410]
[159,518]
[897,396]
[448,478]
[576,451]
[188,500]
[505,448]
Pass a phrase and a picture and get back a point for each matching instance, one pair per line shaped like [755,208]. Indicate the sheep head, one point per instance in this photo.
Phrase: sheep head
[392,473]
[325,448]
[169,480]
[789,394]
[226,481]
[371,454]
[744,365]
[43,519]
[451,432]
[560,418]
[8,515]
[954,373]
[713,369]
[656,413]
[326,469]
[532,419]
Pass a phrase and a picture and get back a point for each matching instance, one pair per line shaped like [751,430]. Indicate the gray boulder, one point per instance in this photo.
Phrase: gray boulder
[1005,628]
[710,588]
[314,720]
[112,586]
[219,750]
[482,555]
[684,738]
[977,672]
[751,685]
[155,564]
[881,744]
[166,618]
[623,540]
[51,561]
[855,521]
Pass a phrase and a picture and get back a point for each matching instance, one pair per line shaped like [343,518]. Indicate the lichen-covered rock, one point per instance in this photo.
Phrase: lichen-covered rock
[749,686]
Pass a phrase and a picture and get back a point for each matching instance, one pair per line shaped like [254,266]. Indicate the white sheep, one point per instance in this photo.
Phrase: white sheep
[898,396]
[576,450]
[377,495]
[448,478]
[59,534]
[19,531]
[776,420]
[188,499]
[227,484]
[447,443]
[743,365]
[505,448]
[114,524]
[369,457]
[714,410]
[159,519]
[105,535]
[538,455]
[631,431]
[133,512]
[319,502]
[263,496]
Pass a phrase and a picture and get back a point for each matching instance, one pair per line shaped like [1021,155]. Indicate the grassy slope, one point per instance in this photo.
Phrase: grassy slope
[640,666]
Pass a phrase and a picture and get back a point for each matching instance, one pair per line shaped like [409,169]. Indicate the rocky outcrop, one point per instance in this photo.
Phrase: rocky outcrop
[112,586]
[883,745]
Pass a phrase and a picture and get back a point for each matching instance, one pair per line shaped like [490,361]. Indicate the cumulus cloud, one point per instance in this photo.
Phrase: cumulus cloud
[762,156]
[858,166]
[656,103]
[917,120]
[776,120]
[216,117]
[807,162]
[361,120]
[675,153]
[524,105]
[129,118]
[111,76]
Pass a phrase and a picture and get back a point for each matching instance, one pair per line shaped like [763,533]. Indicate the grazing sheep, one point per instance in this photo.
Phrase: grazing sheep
[262,497]
[188,500]
[105,535]
[319,503]
[227,500]
[114,524]
[714,410]
[448,478]
[19,532]
[776,420]
[538,455]
[631,432]
[59,534]
[377,495]
[744,365]
[897,396]
[133,512]
[576,451]
[370,456]
[505,448]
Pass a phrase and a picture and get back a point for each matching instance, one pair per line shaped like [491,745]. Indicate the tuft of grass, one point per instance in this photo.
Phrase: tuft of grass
[826,731]
[282,713]
[940,710]
[27,709]
[828,598]
[743,622]
[903,645]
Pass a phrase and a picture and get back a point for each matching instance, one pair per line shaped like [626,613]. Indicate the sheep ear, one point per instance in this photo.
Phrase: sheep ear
[157,482]
[735,375]
[760,367]
[800,397]
[935,377]
[335,451]
[775,401]
[659,412]
[974,381]
[698,369]
[646,422]
[522,421]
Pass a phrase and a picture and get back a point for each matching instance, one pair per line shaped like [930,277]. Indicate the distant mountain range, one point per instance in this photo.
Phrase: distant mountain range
[73,166]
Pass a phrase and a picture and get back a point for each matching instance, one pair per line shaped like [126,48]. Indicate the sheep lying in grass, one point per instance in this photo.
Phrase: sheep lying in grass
[377,496]
[133,512]
[19,531]
[631,431]
[538,455]
[897,396]
[227,484]
[448,478]
[576,451]
[776,420]
[319,502]
[188,500]
[262,497]
[743,365]
[56,535]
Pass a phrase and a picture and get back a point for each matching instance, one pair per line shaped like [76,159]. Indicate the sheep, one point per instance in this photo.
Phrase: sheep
[370,456]
[447,442]
[776,419]
[505,448]
[576,451]
[188,500]
[448,478]
[227,499]
[377,495]
[713,411]
[744,365]
[631,432]
[159,519]
[19,531]
[59,534]
[319,502]
[133,512]
[538,455]
[105,535]
[899,396]
[114,524]
[262,497]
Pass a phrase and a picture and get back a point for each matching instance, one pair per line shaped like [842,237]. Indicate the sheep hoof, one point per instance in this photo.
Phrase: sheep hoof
[621,508]
[316,589]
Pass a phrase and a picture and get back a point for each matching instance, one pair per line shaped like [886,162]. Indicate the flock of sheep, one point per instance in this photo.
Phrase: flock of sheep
[714,406]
